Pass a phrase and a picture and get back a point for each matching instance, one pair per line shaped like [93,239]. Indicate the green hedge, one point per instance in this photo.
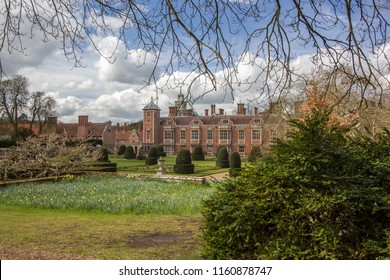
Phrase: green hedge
[222,158]
[184,168]
[129,153]
[183,163]
[152,156]
[100,167]
[197,153]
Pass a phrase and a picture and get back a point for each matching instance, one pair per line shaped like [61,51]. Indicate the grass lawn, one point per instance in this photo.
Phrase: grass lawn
[106,217]
[202,167]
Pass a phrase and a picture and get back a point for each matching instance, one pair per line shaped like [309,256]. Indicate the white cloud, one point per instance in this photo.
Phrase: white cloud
[117,92]
[130,67]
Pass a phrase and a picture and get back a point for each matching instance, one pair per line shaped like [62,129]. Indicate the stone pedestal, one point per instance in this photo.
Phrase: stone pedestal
[161,167]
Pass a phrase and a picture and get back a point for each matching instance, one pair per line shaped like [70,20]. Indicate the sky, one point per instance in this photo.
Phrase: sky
[115,91]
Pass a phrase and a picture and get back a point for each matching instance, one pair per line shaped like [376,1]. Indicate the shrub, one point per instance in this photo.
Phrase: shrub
[317,195]
[222,158]
[7,142]
[161,152]
[235,164]
[103,154]
[100,167]
[152,156]
[197,153]
[48,155]
[184,163]
[121,150]
[129,153]
[140,157]
[255,154]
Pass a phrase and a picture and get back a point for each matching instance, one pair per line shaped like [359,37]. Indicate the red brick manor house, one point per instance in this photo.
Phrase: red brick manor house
[184,129]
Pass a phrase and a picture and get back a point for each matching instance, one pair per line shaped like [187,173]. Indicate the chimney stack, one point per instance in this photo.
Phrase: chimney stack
[172,111]
[125,127]
[118,127]
[255,110]
[212,109]
[83,120]
[221,111]
[206,112]
[240,109]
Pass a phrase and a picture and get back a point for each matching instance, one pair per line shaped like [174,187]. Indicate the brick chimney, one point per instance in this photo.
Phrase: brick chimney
[206,112]
[83,120]
[221,111]
[212,109]
[255,110]
[125,124]
[118,127]
[172,111]
[240,109]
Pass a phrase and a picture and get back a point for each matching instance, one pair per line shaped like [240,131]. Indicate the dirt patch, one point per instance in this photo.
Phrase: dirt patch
[157,239]
[26,253]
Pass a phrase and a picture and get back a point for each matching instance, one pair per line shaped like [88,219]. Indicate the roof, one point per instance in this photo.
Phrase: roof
[151,106]
[215,119]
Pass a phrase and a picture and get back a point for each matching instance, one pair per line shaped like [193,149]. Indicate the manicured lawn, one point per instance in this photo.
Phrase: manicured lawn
[202,168]
[108,217]
[34,233]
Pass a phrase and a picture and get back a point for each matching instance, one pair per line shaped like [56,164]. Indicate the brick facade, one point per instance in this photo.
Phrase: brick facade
[184,129]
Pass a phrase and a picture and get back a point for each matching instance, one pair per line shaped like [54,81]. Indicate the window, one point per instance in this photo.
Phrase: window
[209,134]
[256,134]
[241,149]
[257,121]
[148,135]
[225,121]
[195,134]
[273,134]
[196,122]
[224,134]
[209,149]
[168,149]
[168,134]
[241,134]
[182,135]
[148,113]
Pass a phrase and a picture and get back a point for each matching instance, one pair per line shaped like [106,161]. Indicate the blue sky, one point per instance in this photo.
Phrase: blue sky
[117,92]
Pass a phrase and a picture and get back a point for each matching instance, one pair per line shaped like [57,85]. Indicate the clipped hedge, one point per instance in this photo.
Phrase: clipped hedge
[184,168]
[121,150]
[197,153]
[103,154]
[161,152]
[235,164]
[152,156]
[129,153]
[100,167]
[183,163]
[222,158]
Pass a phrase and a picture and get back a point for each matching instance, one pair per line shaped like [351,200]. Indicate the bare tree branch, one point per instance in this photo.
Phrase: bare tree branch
[212,39]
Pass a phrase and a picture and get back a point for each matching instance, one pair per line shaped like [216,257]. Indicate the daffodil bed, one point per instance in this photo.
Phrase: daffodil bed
[109,194]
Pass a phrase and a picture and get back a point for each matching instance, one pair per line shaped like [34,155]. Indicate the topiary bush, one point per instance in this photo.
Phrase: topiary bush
[129,153]
[222,158]
[235,164]
[317,195]
[255,154]
[161,152]
[152,157]
[197,153]
[121,150]
[184,163]
[103,154]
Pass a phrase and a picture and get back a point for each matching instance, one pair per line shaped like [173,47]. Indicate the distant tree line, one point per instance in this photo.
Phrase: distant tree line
[18,105]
